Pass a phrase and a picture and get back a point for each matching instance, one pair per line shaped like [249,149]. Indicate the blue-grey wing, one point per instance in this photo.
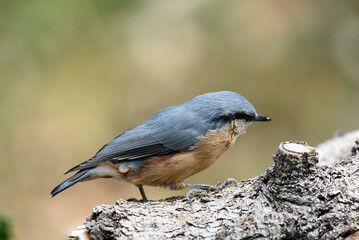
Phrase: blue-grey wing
[169,131]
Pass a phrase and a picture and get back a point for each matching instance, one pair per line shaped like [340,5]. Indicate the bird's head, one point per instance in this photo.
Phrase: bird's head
[227,107]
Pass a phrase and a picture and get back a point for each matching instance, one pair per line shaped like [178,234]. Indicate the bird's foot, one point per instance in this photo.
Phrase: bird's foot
[143,194]
[207,187]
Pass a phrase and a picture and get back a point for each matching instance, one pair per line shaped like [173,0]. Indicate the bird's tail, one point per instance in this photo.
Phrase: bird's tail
[78,177]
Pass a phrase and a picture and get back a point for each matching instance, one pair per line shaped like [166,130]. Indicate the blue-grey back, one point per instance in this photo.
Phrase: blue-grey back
[178,127]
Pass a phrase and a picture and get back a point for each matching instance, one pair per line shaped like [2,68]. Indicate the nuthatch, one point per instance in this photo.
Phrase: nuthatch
[172,145]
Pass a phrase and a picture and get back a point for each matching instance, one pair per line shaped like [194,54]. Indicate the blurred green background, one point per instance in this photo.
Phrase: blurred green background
[75,74]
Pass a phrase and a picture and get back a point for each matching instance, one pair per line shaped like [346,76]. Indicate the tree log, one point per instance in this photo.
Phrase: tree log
[337,148]
[293,199]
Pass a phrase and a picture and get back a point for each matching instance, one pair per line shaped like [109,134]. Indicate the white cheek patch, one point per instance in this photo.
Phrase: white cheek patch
[240,126]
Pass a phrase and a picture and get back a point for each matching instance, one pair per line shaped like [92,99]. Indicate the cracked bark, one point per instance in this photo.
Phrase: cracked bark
[294,199]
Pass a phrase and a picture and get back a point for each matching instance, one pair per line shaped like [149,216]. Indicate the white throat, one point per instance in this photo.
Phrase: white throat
[240,126]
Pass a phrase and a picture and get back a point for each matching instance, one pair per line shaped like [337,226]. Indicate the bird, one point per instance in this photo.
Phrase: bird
[172,145]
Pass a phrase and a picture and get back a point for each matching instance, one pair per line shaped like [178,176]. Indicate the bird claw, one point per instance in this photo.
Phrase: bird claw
[207,187]
[192,191]
[219,185]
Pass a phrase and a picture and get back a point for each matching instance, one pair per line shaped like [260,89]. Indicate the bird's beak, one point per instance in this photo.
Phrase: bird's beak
[261,118]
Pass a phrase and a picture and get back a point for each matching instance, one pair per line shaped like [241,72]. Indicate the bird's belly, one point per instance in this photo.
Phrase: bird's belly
[164,171]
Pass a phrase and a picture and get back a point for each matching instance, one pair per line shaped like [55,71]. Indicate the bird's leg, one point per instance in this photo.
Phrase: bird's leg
[207,187]
[142,191]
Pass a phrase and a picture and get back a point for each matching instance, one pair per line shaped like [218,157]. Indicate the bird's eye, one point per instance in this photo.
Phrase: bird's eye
[244,116]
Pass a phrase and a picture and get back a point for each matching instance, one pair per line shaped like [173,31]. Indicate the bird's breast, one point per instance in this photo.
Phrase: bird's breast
[177,167]
[215,144]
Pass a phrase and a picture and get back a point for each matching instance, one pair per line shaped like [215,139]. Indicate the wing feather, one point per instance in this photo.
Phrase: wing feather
[171,130]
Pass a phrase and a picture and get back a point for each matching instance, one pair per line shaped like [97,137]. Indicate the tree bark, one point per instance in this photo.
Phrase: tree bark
[294,199]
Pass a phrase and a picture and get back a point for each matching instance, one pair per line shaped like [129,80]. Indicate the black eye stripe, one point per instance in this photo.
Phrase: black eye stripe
[239,115]
[244,116]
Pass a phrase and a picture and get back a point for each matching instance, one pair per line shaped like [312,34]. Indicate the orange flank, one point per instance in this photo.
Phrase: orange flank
[172,170]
